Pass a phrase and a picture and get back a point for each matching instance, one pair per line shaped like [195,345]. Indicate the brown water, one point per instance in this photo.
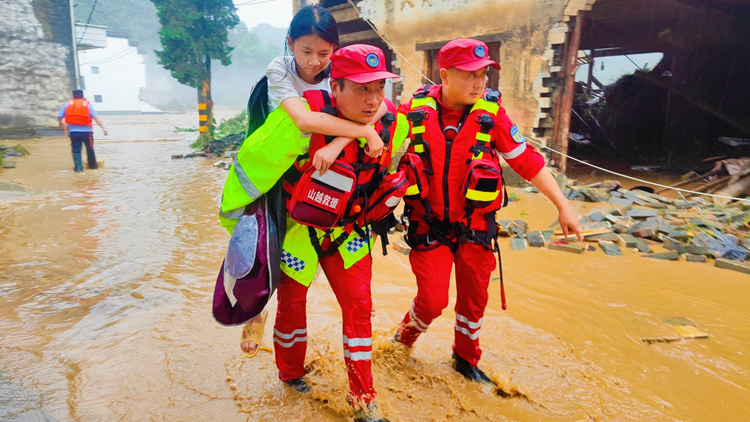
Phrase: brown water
[107,276]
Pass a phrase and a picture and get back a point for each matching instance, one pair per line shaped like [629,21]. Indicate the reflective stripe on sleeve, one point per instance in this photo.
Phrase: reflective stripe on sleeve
[250,189]
[515,153]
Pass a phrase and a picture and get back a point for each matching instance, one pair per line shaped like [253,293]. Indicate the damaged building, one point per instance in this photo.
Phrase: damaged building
[675,112]
[38,63]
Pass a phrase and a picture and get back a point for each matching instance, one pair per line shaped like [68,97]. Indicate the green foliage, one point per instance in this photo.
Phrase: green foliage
[193,32]
[184,129]
[236,124]
[203,139]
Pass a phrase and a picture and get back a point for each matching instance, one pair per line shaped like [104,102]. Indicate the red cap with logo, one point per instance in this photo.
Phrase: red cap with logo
[465,54]
[360,63]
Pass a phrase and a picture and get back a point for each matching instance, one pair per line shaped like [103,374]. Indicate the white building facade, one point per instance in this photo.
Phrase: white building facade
[112,71]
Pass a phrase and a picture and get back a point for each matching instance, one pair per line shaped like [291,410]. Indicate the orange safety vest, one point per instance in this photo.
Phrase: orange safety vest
[458,201]
[77,112]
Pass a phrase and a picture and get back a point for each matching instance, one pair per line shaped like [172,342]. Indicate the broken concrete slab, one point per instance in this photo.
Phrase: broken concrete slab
[547,235]
[9,164]
[536,239]
[517,244]
[566,247]
[695,258]
[627,241]
[732,265]
[667,256]
[610,248]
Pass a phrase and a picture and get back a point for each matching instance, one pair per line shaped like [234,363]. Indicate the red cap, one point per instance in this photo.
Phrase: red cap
[465,54]
[360,64]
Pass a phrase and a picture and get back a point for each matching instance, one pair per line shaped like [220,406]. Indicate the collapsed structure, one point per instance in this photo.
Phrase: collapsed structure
[697,91]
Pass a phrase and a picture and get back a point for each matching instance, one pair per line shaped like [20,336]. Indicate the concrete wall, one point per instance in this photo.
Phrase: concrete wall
[121,75]
[523,26]
[37,62]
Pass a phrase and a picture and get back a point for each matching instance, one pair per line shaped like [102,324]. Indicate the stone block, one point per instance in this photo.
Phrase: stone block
[642,246]
[666,256]
[620,202]
[610,248]
[596,216]
[610,237]
[536,239]
[695,258]
[517,244]
[566,247]
[697,250]
[612,218]
[628,241]
[621,228]
[642,213]
[679,235]
[547,235]
[9,164]
[732,265]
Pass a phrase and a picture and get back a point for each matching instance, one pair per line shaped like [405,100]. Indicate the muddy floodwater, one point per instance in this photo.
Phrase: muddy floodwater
[106,280]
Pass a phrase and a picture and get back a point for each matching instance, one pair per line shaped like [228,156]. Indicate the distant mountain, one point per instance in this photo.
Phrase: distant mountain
[270,34]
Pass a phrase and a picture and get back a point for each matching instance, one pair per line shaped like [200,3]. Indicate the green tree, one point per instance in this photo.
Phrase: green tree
[193,32]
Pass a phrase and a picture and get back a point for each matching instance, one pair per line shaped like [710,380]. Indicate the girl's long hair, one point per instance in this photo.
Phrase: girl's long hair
[315,20]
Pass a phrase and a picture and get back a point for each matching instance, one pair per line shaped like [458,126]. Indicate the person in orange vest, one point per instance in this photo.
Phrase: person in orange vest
[78,114]
[459,130]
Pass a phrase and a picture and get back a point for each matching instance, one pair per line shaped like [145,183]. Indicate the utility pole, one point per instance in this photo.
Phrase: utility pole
[75,45]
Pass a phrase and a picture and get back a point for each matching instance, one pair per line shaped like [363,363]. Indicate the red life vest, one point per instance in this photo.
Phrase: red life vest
[365,205]
[464,178]
[77,112]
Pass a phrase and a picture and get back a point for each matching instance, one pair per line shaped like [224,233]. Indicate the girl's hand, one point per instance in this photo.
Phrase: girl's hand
[326,156]
[374,145]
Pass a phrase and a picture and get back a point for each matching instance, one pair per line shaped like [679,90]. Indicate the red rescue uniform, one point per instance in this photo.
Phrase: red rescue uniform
[350,285]
[445,231]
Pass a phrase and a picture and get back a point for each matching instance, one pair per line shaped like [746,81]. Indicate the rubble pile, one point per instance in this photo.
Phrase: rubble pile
[690,229]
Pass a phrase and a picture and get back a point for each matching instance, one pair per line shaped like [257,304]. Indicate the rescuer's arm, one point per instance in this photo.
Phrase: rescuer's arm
[328,154]
[528,163]
[99,122]
[325,124]
[567,217]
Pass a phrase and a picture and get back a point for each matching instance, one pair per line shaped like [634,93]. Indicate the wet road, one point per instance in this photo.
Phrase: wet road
[106,280]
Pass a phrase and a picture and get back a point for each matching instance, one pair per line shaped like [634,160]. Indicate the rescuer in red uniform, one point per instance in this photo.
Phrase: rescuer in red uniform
[458,131]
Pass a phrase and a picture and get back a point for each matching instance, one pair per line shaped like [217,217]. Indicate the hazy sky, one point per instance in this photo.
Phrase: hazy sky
[274,12]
